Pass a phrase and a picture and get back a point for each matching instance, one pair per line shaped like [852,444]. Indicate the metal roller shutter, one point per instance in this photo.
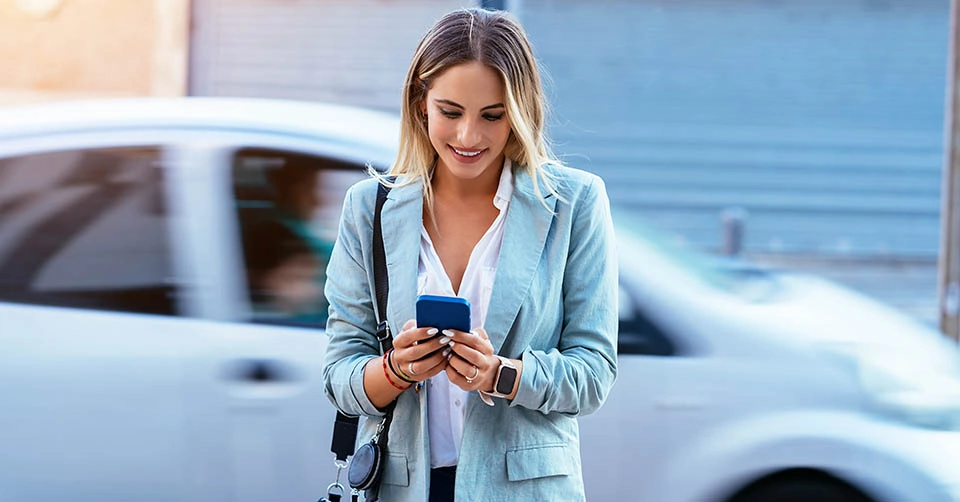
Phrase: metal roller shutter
[353,52]
[822,118]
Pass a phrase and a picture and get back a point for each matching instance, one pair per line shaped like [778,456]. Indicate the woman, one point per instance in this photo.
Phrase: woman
[481,210]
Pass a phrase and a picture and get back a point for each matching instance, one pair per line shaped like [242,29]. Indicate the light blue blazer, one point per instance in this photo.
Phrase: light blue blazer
[553,305]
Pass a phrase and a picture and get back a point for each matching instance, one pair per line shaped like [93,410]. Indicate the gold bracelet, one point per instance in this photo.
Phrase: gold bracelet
[397,371]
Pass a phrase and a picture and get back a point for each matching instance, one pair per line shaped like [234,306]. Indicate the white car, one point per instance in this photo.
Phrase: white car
[144,356]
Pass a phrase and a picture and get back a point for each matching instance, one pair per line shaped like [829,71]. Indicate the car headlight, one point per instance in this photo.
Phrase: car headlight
[924,394]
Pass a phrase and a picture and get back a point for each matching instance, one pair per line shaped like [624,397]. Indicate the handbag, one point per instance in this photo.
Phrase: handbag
[366,467]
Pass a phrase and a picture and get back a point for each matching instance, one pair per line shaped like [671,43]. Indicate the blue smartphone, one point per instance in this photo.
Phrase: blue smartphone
[443,312]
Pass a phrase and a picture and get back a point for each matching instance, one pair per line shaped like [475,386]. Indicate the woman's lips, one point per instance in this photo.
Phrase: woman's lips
[467,156]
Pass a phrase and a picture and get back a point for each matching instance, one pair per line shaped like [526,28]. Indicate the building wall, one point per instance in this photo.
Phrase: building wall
[823,119]
[353,52]
[92,48]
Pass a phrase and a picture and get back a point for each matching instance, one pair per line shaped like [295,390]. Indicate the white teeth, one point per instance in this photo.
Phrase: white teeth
[467,154]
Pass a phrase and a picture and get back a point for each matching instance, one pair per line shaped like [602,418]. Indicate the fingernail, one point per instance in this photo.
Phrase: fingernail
[449,356]
[432,331]
[451,343]
[444,339]
[446,352]
[448,333]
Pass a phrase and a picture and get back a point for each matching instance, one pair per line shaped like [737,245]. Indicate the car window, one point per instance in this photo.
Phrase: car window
[85,229]
[638,334]
[288,209]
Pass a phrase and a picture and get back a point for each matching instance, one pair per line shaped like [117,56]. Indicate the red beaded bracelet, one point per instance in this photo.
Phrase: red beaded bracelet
[386,373]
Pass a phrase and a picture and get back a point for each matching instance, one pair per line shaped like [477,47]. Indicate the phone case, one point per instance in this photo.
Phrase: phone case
[443,312]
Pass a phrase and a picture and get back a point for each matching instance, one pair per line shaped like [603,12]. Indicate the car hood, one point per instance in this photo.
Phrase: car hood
[801,310]
[810,309]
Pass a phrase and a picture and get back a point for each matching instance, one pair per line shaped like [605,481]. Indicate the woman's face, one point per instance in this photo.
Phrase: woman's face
[467,120]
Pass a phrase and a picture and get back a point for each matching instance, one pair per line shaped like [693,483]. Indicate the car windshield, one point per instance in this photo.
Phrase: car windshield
[732,275]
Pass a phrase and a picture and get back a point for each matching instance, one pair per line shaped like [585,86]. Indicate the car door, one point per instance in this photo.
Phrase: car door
[94,360]
[624,443]
[258,259]
[135,362]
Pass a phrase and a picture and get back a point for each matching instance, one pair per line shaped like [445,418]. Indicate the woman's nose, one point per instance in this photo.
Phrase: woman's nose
[469,134]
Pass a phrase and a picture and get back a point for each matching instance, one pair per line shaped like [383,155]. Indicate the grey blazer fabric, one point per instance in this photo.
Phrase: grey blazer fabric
[553,305]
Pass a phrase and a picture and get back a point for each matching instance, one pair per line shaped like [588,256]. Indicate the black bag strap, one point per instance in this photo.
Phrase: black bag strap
[381,281]
[345,427]
[344,436]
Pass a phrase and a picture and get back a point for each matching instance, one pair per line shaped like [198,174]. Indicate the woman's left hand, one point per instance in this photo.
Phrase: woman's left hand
[472,364]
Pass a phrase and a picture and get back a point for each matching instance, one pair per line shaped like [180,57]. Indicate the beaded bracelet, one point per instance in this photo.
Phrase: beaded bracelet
[386,373]
[397,371]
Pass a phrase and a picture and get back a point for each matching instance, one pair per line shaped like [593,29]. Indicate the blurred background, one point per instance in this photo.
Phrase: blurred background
[807,135]
[162,260]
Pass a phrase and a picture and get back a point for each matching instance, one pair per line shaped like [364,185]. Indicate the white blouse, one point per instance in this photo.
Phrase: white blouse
[446,403]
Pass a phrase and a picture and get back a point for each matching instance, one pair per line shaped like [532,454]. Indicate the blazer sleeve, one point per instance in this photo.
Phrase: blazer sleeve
[352,322]
[576,377]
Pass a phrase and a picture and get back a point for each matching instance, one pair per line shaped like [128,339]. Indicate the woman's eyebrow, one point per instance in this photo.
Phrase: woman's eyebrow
[458,105]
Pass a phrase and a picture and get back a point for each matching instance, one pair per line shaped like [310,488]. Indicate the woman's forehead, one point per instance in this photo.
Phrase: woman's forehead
[468,85]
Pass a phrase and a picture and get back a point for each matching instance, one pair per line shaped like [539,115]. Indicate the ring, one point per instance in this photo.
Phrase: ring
[476,373]
[410,369]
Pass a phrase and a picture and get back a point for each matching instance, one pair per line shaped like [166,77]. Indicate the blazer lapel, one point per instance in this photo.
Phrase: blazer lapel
[528,221]
[401,220]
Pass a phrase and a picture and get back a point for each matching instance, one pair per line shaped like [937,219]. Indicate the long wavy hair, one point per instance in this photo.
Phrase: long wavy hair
[497,40]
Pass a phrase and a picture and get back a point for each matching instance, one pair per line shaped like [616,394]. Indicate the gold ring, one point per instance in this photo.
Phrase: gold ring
[476,373]
[410,369]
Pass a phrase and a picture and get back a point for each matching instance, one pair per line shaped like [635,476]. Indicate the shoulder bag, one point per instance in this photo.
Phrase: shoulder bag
[366,467]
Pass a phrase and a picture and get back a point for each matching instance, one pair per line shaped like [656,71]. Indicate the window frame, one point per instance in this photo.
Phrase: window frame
[205,266]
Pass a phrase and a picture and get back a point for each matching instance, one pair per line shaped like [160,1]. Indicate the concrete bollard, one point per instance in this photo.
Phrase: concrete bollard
[733,226]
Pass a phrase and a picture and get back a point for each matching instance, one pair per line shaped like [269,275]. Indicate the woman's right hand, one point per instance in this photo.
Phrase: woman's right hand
[418,353]
[416,356]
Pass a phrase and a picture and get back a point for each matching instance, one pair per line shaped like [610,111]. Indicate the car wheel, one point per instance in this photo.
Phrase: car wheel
[800,487]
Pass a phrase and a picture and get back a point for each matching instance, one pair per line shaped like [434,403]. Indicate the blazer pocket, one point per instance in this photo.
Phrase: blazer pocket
[395,472]
[540,461]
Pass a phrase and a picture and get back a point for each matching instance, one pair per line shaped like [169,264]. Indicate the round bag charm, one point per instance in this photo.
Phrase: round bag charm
[365,466]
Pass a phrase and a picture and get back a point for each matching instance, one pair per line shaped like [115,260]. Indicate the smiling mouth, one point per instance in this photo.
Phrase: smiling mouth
[467,153]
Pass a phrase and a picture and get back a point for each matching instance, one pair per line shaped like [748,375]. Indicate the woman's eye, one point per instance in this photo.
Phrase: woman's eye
[450,114]
[492,117]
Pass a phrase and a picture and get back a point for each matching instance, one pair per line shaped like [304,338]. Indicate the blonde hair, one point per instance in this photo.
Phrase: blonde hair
[497,40]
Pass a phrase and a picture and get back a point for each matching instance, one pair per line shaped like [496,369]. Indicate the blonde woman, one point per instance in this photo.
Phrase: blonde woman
[479,209]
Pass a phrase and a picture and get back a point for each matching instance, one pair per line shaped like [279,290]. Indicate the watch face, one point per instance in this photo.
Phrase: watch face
[508,376]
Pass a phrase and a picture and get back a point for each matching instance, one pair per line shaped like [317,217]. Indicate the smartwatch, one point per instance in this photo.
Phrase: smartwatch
[506,378]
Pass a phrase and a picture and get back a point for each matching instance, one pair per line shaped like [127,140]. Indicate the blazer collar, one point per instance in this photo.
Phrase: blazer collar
[401,220]
[529,218]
